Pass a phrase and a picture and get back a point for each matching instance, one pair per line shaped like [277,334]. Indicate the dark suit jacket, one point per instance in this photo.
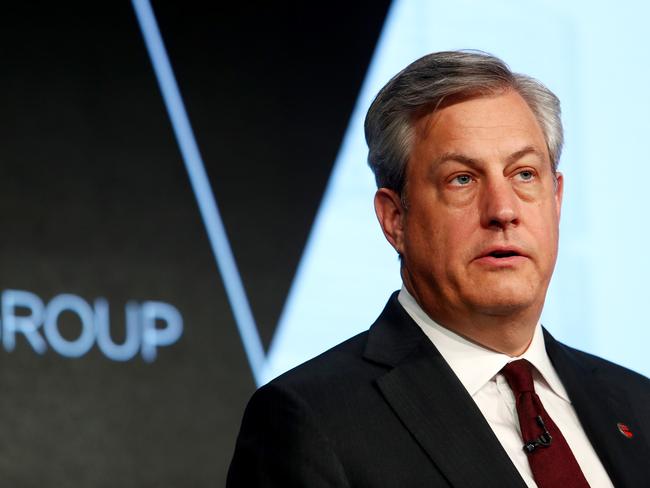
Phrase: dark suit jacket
[384,409]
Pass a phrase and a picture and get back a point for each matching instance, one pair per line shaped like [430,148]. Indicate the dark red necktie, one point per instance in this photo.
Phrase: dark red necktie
[549,455]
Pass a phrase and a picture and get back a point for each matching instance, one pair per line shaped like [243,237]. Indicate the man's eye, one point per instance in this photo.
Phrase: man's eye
[462,180]
[526,175]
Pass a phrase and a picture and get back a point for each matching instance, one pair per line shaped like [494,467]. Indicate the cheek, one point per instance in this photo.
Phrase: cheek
[458,226]
[544,233]
[547,222]
[441,239]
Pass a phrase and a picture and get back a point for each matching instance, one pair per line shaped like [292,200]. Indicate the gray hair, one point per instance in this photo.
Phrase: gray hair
[424,84]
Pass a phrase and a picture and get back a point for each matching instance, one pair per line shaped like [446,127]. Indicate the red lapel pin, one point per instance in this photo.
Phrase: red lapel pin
[625,430]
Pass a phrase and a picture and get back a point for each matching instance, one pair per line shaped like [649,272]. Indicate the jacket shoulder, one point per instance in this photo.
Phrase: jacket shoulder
[605,365]
[338,369]
[611,372]
[296,428]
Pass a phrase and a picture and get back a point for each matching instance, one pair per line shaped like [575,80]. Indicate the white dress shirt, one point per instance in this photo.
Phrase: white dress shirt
[478,369]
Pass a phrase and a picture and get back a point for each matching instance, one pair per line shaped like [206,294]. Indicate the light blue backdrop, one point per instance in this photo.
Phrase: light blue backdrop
[593,55]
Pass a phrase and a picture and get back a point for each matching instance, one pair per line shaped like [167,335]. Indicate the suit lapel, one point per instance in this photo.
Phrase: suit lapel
[600,406]
[434,406]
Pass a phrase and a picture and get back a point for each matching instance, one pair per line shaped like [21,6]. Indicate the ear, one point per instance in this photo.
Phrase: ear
[391,213]
[559,190]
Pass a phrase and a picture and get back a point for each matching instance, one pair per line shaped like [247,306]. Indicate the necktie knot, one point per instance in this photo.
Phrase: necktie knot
[519,375]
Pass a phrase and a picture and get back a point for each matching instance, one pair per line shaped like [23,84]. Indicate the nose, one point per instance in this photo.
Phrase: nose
[499,205]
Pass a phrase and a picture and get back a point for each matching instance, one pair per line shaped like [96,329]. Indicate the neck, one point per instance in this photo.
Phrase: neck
[508,332]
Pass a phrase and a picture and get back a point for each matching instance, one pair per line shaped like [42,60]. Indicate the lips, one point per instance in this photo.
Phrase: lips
[501,252]
[501,255]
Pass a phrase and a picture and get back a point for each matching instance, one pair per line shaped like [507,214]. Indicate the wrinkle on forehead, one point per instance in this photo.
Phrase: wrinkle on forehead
[424,120]
[450,156]
[470,124]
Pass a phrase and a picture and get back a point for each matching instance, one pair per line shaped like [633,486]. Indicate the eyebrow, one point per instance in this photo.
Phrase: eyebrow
[462,158]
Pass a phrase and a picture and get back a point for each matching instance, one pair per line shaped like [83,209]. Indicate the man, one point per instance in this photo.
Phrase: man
[456,384]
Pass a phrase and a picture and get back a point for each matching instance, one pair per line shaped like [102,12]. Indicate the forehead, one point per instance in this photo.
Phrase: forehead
[479,127]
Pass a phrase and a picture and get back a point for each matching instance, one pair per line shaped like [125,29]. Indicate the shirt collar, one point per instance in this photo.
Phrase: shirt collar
[474,364]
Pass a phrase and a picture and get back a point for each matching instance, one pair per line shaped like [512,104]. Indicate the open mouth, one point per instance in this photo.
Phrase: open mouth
[507,256]
[503,254]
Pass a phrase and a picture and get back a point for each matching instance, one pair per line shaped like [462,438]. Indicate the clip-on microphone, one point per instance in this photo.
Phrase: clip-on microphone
[543,440]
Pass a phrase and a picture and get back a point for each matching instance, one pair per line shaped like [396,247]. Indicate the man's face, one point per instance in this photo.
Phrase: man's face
[480,231]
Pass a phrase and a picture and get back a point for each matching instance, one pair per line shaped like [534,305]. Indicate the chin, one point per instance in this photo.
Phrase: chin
[504,301]
[503,308]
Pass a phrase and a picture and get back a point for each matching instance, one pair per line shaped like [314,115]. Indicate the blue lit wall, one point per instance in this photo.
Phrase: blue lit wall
[595,59]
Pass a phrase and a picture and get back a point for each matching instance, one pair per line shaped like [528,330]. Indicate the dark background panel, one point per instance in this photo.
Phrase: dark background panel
[270,87]
[96,202]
